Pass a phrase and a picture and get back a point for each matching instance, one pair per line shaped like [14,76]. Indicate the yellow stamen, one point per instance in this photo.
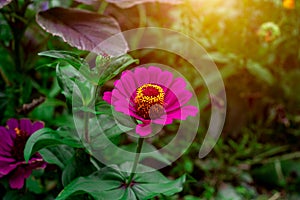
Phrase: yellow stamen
[18,131]
[149,96]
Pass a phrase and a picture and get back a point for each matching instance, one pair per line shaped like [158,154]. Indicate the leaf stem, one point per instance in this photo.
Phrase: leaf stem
[102,7]
[136,160]
[86,127]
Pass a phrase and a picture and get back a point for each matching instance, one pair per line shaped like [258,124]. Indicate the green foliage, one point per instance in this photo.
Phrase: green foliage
[255,45]
[111,182]
[107,68]
[58,155]
[73,168]
[47,137]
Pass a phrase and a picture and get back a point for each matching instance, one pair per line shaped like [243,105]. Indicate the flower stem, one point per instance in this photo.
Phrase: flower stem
[86,127]
[136,160]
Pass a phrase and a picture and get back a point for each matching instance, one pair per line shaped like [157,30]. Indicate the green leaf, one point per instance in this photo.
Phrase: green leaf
[154,183]
[65,82]
[150,190]
[107,180]
[47,137]
[67,56]
[109,68]
[102,128]
[90,185]
[58,155]
[129,194]
[34,185]
[260,72]
[90,110]
[79,165]
[110,128]
[87,91]
[109,183]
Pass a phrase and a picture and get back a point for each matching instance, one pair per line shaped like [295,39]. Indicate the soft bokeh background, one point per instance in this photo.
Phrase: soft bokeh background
[255,45]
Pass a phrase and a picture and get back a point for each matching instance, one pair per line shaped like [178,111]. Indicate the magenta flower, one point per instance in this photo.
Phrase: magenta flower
[12,143]
[151,95]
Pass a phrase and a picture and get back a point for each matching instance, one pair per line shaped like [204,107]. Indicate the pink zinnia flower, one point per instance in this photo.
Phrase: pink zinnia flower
[151,95]
[12,143]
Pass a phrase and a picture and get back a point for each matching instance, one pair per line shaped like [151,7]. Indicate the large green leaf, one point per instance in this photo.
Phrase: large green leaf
[151,184]
[47,137]
[149,190]
[106,179]
[112,181]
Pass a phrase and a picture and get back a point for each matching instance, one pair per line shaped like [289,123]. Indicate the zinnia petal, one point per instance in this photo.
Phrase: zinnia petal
[176,101]
[6,141]
[25,125]
[178,86]
[6,166]
[37,126]
[142,76]
[183,112]
[165,79]
[12,163]
[12,124]
[127,84]
[151,96]
[154,72]
[16,181]
[107,96]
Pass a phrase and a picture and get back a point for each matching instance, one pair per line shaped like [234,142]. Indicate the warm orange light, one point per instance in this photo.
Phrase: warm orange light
[289,4]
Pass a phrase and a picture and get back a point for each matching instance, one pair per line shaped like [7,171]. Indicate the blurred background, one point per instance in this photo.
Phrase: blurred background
[255,45]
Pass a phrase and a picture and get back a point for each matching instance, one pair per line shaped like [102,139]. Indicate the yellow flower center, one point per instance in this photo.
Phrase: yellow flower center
[18,131]
[149,101]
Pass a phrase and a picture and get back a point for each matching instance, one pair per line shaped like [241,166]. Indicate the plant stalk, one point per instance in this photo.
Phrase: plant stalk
[86,127]
[136,160]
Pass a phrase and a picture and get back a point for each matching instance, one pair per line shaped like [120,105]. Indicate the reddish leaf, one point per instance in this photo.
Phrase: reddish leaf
[4,3]
[130,3]
[84,30]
